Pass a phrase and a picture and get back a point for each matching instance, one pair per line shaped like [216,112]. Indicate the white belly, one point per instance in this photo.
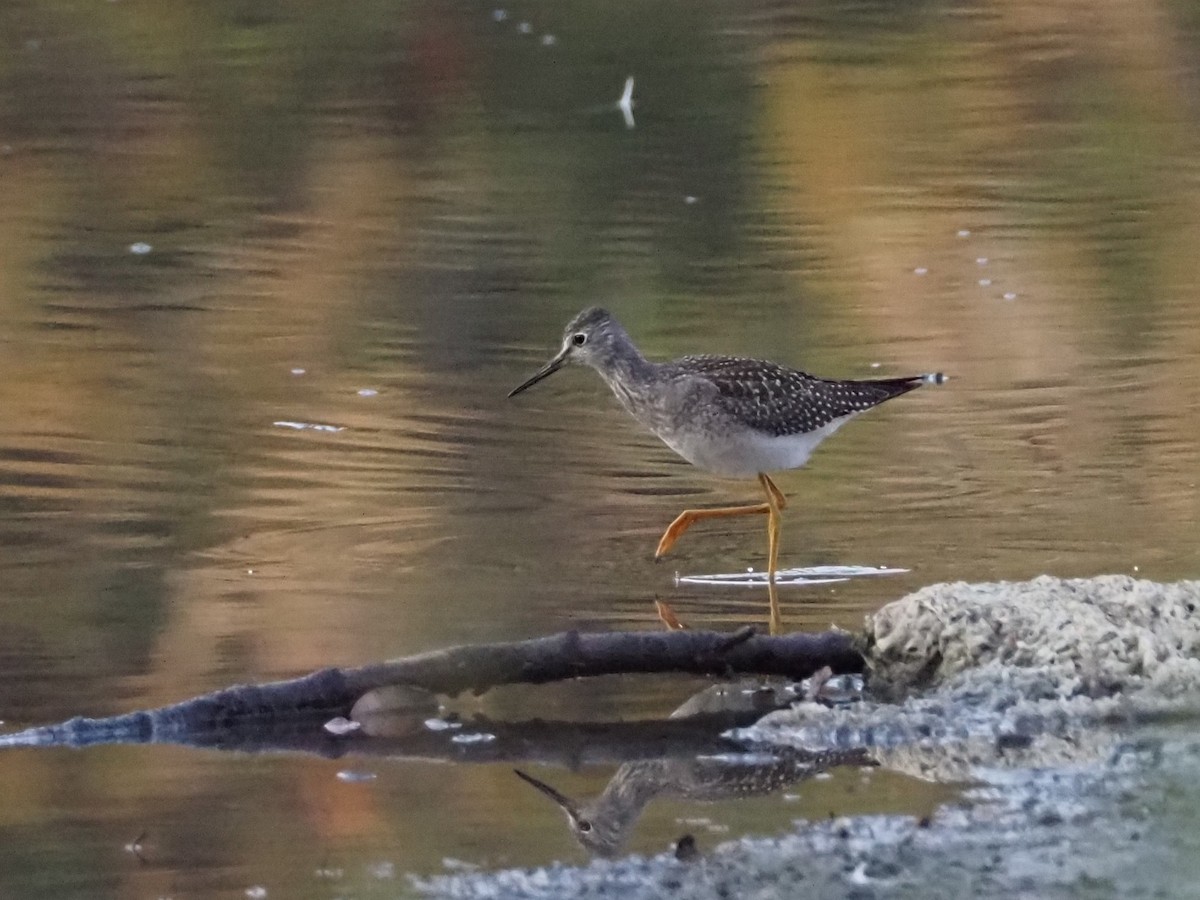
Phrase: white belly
[745,454]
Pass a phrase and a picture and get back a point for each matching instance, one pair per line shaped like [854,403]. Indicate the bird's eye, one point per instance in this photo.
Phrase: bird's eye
[584,825]
[579,339]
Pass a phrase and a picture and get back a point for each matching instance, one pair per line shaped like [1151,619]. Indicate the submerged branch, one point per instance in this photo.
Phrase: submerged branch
[333,692]
[573,654]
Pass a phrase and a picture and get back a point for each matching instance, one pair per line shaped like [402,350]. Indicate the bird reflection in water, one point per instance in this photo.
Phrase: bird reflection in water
[603,825]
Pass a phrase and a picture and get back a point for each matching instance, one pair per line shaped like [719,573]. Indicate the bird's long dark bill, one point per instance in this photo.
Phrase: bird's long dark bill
[545,371]
[565,803]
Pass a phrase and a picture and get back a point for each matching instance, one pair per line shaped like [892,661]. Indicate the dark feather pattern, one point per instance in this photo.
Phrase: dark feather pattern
[780,401]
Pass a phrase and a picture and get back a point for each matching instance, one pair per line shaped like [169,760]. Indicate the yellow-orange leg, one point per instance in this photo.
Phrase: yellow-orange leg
[685,519]
[775,502]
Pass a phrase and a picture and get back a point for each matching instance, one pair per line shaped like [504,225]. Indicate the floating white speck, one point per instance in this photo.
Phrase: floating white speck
[625,104]
[1137,568]
[341,725]
[368,392]
[442,724]
[257,892]
[1010,296]
[981,260]
[524,28]
[964,232]
[920,270]
[382,871]
[309,426]
[549,40]
[351,777]
[985,282]
[690,199]
[459,865]
[299,371]
[476,737]
[140,248]
[499,15]
[875,365]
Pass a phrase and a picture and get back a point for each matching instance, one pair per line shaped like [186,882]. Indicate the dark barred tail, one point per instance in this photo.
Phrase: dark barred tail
[883,389]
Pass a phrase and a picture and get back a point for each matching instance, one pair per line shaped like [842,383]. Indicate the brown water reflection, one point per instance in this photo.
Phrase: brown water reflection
[412,200]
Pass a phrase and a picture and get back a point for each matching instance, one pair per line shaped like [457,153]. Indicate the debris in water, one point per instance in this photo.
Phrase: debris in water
[351,777]
[626,103]
[308,426]
[340,725]
[476,737]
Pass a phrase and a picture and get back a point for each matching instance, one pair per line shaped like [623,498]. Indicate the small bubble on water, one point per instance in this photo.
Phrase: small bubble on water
[499,15]
[690,199]
[257,892]
[351,777]
[549,40]
[309,426]
[140,248]
[382,870]
[1010,296]
[876,365]
[524,28]
[341,725]
[920,270]
[367,392]
[985,282]
[964,232]
[441,724]
[981,260]
[299,371]
[477,737]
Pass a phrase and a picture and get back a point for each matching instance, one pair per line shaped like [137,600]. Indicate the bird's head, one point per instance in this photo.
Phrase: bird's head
[596,833]
[591,338]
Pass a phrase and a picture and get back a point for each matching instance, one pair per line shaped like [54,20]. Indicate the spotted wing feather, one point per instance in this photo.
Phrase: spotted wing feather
[780,401]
